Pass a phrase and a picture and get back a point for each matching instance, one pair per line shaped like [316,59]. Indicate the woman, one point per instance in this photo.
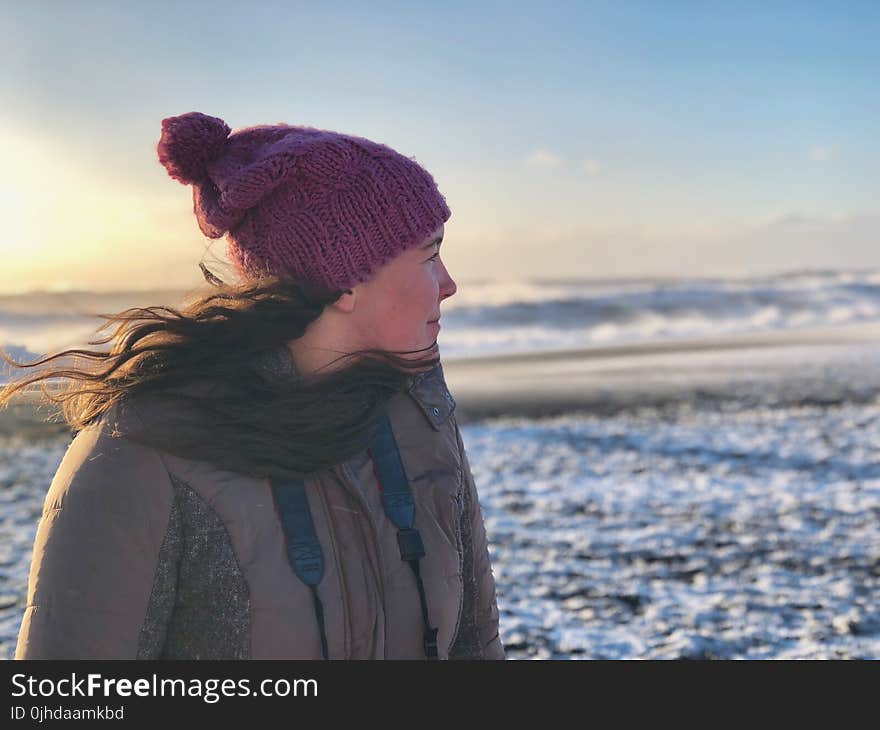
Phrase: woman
[232,490]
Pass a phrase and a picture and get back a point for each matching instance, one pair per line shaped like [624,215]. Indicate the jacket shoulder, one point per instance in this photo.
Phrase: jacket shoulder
[104,520]
[102,463]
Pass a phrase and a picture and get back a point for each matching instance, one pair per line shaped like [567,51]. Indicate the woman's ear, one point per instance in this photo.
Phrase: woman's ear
[346,301]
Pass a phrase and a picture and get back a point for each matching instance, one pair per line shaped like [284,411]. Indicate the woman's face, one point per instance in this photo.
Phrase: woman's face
[395,309]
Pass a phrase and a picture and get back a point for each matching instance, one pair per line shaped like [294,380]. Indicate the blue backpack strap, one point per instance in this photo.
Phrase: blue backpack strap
[401,510]
[303,549]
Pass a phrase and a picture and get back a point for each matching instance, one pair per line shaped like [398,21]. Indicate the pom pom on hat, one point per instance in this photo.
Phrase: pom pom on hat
[188,143]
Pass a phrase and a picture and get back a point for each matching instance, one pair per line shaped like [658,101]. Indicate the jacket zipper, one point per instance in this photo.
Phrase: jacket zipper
[348,481]
[458,500]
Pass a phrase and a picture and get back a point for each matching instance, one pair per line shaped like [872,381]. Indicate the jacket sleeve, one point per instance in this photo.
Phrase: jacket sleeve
[486,602]
[96,553]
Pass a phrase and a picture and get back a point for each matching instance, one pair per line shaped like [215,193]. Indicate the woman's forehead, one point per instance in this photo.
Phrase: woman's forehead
[435,236]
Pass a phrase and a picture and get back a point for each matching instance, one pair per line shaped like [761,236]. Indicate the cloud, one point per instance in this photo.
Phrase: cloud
[787,221]
[592,166]
[820,153]
[543,158]
[796,221]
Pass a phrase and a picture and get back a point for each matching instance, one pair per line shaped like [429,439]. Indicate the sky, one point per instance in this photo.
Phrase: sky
[582,139]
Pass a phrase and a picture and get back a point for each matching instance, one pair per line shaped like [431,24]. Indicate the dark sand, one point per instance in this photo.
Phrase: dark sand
[817,365]
[28,417]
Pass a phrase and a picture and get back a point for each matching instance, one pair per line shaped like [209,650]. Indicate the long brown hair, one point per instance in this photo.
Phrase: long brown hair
[253,418]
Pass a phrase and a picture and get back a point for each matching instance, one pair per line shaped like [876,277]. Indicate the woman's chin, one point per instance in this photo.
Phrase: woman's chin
[432,350]
[430,355]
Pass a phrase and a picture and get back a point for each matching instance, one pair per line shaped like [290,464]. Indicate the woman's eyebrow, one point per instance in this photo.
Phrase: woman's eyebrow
[436,240]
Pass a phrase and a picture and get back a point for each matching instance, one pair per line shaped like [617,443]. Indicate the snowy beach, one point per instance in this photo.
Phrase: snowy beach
[691,494]
[692,503]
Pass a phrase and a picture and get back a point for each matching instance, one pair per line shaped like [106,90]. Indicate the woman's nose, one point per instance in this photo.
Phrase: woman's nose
[448,286]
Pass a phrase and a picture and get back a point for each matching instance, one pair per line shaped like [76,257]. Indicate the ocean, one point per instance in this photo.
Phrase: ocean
[508,317]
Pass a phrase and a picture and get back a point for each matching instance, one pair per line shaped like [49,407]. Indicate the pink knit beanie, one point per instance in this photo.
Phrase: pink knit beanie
[323,207]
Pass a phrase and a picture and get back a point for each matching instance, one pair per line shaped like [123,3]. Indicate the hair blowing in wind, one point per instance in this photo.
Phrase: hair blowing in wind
[308,214]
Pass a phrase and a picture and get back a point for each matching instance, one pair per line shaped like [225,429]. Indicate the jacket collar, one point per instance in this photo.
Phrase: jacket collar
[429,390]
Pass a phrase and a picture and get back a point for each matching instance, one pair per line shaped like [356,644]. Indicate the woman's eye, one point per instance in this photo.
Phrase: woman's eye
[434,256]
